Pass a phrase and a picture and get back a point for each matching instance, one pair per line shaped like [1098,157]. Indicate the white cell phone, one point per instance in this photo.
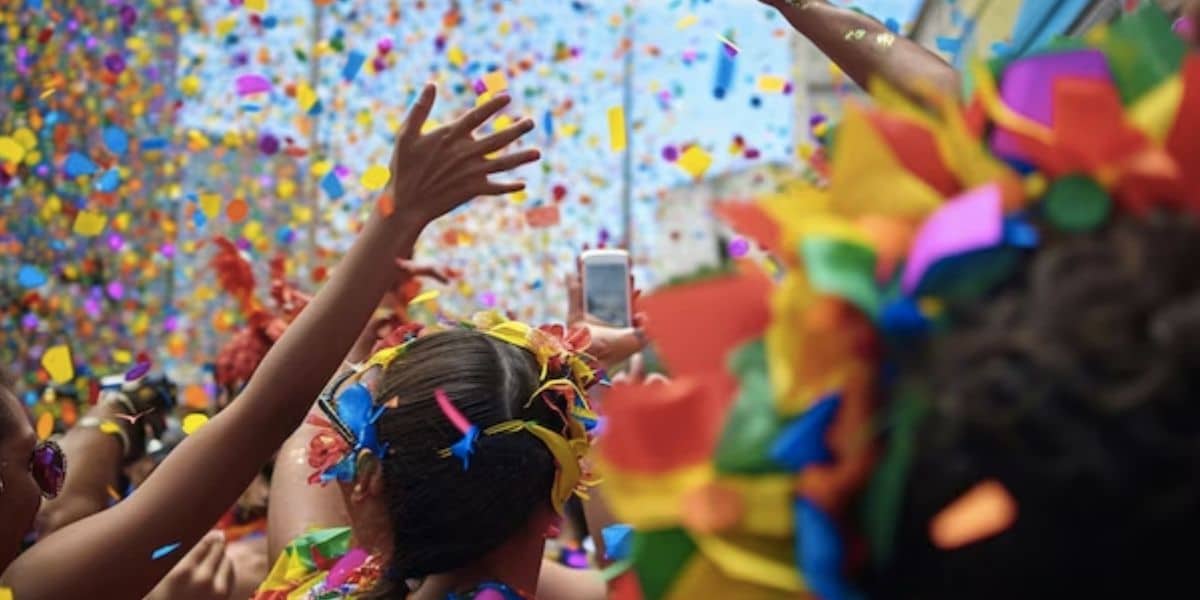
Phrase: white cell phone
[606,293]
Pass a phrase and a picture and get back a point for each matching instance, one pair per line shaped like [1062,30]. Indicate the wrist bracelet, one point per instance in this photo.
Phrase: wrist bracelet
[108,427]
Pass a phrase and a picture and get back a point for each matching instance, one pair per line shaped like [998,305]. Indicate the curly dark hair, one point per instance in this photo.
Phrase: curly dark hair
[445,517]
[1076,386]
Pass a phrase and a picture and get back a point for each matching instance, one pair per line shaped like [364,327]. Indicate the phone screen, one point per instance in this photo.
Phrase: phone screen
[607,298]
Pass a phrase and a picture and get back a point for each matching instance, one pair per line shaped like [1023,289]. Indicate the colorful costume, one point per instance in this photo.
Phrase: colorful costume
[762,470]
[320,565]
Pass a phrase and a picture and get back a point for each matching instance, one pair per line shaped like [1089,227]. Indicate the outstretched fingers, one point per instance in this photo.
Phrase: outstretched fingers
[419,112]
[511,161]
[479,115]
[500,139]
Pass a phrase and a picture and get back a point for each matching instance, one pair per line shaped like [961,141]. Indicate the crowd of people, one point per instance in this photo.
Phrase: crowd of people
[967,371]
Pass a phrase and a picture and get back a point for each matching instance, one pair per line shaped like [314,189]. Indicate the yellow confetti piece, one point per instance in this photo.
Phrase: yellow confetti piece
[771,84]
[305,96]
[285,189]
[89,223]
[225,26]
[616,128]
[25,137]
[425,296]
[695,161]
[495,81]
[193,422]
[321,167]
[256,5]
[6,593]
[57,361]
[10,150]
[122,357]
[686,21]
[375,177]
[190,85]
[210,205]
[45,426]
[456,56]
[110,428]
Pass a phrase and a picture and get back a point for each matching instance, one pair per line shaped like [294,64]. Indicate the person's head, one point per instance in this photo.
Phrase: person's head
[20,496]
[444,517]
[1075,387]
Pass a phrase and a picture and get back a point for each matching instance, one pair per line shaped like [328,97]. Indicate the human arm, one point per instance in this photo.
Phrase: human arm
[899,61]
[559,582]
[111,435]
[432,173]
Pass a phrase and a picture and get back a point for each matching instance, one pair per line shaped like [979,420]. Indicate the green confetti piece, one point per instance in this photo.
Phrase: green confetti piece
[1077,203]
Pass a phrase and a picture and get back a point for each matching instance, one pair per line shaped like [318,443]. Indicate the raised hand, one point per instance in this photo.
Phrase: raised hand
[434,172]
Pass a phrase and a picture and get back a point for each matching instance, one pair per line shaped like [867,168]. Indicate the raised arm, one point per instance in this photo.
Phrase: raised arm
[109,554]
[864,48]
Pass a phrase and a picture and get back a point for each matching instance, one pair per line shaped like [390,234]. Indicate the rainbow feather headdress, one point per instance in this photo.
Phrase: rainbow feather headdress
[739,475]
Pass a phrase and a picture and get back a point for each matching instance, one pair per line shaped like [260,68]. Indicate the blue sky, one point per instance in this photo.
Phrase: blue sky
[563,61]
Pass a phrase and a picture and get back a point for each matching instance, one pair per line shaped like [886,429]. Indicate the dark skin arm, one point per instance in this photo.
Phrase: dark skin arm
[111,551]
[94,458]
[899,61]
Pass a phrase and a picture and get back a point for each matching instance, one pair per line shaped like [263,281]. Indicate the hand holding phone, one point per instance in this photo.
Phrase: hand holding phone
[606,291]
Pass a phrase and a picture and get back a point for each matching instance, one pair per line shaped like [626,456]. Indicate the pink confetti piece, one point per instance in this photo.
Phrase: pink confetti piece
[252,84]
[460,422]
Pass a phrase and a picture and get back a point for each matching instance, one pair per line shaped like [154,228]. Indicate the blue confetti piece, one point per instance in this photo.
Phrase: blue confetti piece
[819,552]
[154,143]
[30,277]
[354,62]
[78,164]
[109,181]
[1020,233]
[724,76]
[316,109]
[892,24]
[163,551]
[802,442]
[618,541]
[332,186]
[116,140]
[949,45]
[465,446]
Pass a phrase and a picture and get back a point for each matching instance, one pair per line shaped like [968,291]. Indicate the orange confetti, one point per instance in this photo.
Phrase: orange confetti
[45,426]
[386,205]
[982,512]
[237,210]
[195,397]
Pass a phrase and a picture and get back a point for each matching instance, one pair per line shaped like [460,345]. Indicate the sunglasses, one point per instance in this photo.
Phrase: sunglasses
[48,466]
[354,406]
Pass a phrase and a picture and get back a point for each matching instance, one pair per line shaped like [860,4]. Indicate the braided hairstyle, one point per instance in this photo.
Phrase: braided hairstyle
[1076,386]
[445,517]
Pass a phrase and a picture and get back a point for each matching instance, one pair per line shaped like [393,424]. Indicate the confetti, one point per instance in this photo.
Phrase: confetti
[77,164]
[425,296]
[259,6]
[30,277]
[45,426]
[116,140]
[193,422]
[695,161]
[11,151]
[375,177]
[252,84]
[354,62]
[686,21]
[89,223]
[57,362]
[616,128]
[305,97]
[982,512]
[138,371]
[6,593]
[164,550]
[771,84]
[495,82]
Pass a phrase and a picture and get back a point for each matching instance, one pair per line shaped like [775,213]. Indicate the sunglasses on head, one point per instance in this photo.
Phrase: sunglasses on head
[354,406]
[48,466]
